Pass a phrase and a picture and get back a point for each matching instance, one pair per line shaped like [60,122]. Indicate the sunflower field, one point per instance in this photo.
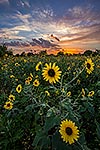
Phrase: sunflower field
[50,102]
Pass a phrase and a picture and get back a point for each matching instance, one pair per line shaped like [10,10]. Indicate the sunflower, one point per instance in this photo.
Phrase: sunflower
[47,93]
[29,78]
[12,76]
[69,131]
[27,82]
[83,92]
[19,88]
[17,64]
[89,65]
[8,105]
[51,73]
[69,94]
[31,75]
[78,81]
[91,93]
[11,97]
[38,66]
[36,82]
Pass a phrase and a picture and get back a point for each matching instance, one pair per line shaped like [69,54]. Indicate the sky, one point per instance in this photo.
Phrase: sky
[66,25]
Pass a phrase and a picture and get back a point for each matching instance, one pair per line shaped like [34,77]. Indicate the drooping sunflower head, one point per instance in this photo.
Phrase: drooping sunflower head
[89,65]
[69,132]
[17,64]
[51,73]
[29,78]
[8,105]
[91,93]
[27,82]
[38,66]
[19,88]
[36,82]
[83,92]
[47,93]
[69,94]
[11,97]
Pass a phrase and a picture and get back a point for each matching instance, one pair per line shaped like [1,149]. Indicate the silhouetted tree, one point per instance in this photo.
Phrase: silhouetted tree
[88,52]
[3,50]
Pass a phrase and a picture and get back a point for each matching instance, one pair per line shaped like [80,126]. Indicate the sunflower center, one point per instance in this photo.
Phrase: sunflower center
[11,98]
[8,105]
[88,66]
[51,73]
[39,66]
[69,131]
[18,88]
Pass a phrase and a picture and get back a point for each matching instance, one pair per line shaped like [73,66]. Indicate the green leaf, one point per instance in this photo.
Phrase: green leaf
[58,144]
[98,129]
[38,137]
[51,122]
[98,83]
[41,139]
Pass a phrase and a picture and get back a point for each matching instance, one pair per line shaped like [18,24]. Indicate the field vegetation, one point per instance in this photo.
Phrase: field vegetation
[49,102]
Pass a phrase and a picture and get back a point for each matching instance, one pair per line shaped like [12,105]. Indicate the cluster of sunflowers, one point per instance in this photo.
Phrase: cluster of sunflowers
[51,72]
[39,104]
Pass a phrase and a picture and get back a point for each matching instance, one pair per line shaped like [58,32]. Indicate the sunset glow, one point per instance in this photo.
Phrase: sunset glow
[31,25]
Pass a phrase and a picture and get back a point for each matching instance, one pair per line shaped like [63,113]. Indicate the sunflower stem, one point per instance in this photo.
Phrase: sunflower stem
[80,145]
[75,76]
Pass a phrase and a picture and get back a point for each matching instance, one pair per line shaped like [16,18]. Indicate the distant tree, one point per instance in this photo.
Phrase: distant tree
[97,51]
[9,52]
[88,53]
[17,55]
[43,52]
[23,54]
[30,54]
[60,53]
[3,50]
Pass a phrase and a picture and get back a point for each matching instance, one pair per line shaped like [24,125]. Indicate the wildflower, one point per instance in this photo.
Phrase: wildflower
[17,64]
[36,76]
[89,65]
[29,78]
[68,68]
[47,93]
[25,60]
[83,92]
[38,66]
[19,88]
[69,132]
[31,75]
[69,93]
[78,81]
[16,79]
[57,92]
[36,82]
[91,93]
[8,105]
[11,97]
[27,82]
[12,76]
[6,55]
[51,73]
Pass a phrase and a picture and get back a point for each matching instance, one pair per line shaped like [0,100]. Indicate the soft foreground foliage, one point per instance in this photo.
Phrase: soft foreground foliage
[50,102]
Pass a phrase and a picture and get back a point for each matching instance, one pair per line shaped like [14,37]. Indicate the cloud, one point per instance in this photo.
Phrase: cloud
[43,43]
[79,25]
[43,13]
[4,1]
